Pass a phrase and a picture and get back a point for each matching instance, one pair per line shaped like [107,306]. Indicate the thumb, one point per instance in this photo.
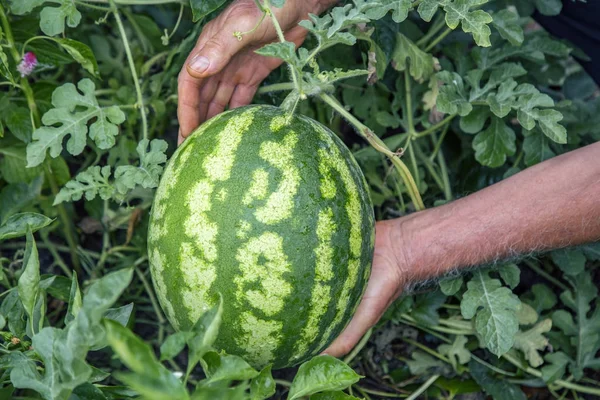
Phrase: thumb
[212,57]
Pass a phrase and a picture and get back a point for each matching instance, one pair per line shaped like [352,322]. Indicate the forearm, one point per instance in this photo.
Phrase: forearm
[553,204]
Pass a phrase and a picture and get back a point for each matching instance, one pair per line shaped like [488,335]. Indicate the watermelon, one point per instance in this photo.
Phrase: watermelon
[272,212]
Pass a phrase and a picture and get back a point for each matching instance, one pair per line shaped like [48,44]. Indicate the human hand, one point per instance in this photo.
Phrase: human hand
[389,274]
[222,70]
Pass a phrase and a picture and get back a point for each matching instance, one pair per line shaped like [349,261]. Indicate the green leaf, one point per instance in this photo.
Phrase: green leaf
[263,385]
[204,333]
[322,373]
[425,307]
[285,51]
[527,315]
[543,297]
[132,351]
[510,274]
[13,165]
[18,122]
[422,362]
[497,388]
[68,103]
[548,120]
[555,366]
[421,63]
[452,98]
[584,330]
[147,175]
[18,224]
[173,345]
[337,395]
[120,314]
[507,23]
[537,148]
[92,182]
[451,286]
[493,145]
[495,310]
[549,7]
[475,22]
[52,19]
[532,341]
[475,120]
[570,261]
[225,367]
[457,353]
[80,53]
[150,378]
[29,281]
[17,196]
[428,8]
[399,8]
[201,8]
[75,301]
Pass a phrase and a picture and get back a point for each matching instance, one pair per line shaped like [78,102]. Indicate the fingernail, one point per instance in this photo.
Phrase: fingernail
[199,63]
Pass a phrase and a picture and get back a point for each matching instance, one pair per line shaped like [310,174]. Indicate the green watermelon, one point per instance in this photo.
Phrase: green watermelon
[273,212]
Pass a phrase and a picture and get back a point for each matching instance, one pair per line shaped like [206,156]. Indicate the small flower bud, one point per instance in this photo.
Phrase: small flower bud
[27,64]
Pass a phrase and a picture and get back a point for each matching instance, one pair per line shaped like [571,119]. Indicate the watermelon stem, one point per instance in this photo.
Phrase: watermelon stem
[266,6]
[381,147]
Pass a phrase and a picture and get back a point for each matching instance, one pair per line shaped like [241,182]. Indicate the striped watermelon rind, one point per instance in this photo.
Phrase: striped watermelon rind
[273,212]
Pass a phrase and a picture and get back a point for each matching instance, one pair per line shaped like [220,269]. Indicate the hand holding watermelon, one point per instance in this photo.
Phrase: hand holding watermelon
[223,70]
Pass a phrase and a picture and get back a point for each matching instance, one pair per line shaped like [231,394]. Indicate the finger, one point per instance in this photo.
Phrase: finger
[188,103]
[180,138]
[220,99]
[381,292]
[206,97]
[242,95]
[214,55]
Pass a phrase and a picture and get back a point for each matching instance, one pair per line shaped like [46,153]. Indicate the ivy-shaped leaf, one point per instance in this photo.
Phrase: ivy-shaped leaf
[507,24]
[94,181]
[584,329]
[147,174]
[421,63]
[67,102]
[52,19]
[548,120]
[456,352]
[495,310]
[399,8]
[494,144]
[536,147]
[532,341]
[452,98]
[459,12]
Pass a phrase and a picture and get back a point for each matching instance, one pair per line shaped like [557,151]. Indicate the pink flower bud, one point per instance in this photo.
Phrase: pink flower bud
[27,64]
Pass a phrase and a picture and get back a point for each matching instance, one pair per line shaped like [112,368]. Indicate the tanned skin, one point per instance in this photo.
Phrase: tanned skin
[551,205]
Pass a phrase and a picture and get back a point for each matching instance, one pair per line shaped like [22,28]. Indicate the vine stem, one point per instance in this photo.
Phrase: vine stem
[380,146]
[358,347]
[437,40]
[423,387]
[267,8]
[558,382]
[436,127]
[136,81]
[36,122]
[276,87]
